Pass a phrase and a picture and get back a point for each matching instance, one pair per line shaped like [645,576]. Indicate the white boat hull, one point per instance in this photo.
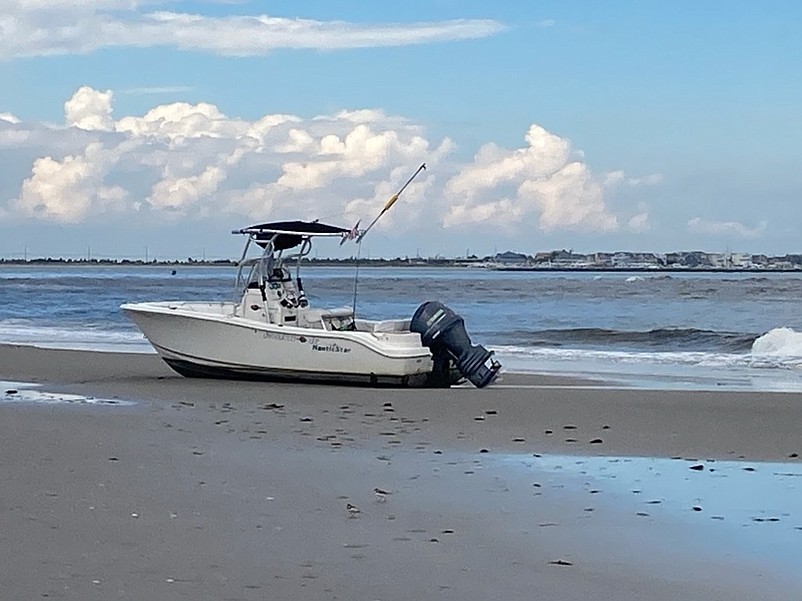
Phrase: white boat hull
[209,340]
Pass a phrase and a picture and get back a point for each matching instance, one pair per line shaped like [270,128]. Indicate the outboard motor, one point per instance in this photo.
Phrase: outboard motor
[443,331]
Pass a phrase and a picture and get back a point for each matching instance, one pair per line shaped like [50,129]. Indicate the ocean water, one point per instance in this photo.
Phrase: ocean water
[700,331]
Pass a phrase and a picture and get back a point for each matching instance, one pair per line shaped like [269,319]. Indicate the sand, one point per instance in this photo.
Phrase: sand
[207,489]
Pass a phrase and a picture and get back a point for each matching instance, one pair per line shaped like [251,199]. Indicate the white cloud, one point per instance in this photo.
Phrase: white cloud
[180,193]
[542,181]
[182,160]
[702,226]
[89,109]
[68,190]
[298,141]
[653,179]
[85,5]
[362,115]
[616,178]
[42,27]
[8,117]
[10,138]
[361,151]
[639,223]
[181,120]
[613,178]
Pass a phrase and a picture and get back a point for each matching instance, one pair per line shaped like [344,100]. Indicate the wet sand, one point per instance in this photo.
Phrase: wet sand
[209,489]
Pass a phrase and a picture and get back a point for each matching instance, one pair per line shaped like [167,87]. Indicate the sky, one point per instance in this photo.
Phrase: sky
[156,126]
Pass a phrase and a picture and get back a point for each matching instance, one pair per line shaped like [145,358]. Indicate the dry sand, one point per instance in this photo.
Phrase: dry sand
[210,489]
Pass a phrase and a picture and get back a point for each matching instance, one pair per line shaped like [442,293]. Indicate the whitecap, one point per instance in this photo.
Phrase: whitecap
[779,342]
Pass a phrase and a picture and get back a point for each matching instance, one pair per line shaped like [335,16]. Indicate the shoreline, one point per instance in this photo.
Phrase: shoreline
[531,411]
[212,489]
[386,263]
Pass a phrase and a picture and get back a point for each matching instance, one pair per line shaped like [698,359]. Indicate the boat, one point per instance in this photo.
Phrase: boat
[270,331]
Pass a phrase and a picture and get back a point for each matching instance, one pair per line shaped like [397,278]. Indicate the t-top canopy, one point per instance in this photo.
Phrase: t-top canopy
[286,234]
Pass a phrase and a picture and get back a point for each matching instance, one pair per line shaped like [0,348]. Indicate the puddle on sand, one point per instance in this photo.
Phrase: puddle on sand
[752,508]
[26,392]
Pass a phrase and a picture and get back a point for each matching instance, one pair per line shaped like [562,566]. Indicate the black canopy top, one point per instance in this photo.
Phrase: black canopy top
[287,234]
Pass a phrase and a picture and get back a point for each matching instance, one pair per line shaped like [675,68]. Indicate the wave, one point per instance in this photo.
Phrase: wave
[591,361]
[778,349]
[663,339]
[779,342]
[83,336]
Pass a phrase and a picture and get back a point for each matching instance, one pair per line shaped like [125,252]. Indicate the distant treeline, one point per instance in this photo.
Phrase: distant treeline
[508,261]
[398,262]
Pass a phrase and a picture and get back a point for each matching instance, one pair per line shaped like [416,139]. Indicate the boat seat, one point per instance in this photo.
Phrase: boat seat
[392,325]
[341,318]
[337,312]
[325,318]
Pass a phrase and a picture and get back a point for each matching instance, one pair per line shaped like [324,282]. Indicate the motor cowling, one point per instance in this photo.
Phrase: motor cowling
[443,331]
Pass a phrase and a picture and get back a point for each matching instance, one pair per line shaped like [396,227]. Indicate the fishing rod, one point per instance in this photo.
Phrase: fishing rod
[360,235]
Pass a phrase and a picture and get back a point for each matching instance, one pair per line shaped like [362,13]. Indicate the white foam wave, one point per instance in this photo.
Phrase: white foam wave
[626,357]
[759,360]
[664,371]
[779,342]
[86,337]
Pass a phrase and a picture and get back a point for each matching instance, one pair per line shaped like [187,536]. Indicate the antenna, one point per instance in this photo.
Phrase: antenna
[356,279]
[391,202]
[361,235]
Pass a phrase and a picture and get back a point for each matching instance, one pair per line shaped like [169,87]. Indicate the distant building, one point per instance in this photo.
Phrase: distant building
[603,259]
[627,260]
[511,258]
[697,259]
[740,261]
[542,258]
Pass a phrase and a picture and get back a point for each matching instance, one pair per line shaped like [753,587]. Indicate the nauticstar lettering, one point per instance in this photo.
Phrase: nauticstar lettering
[330,348]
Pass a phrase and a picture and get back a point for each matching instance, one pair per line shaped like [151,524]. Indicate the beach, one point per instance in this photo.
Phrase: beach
[161,487]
